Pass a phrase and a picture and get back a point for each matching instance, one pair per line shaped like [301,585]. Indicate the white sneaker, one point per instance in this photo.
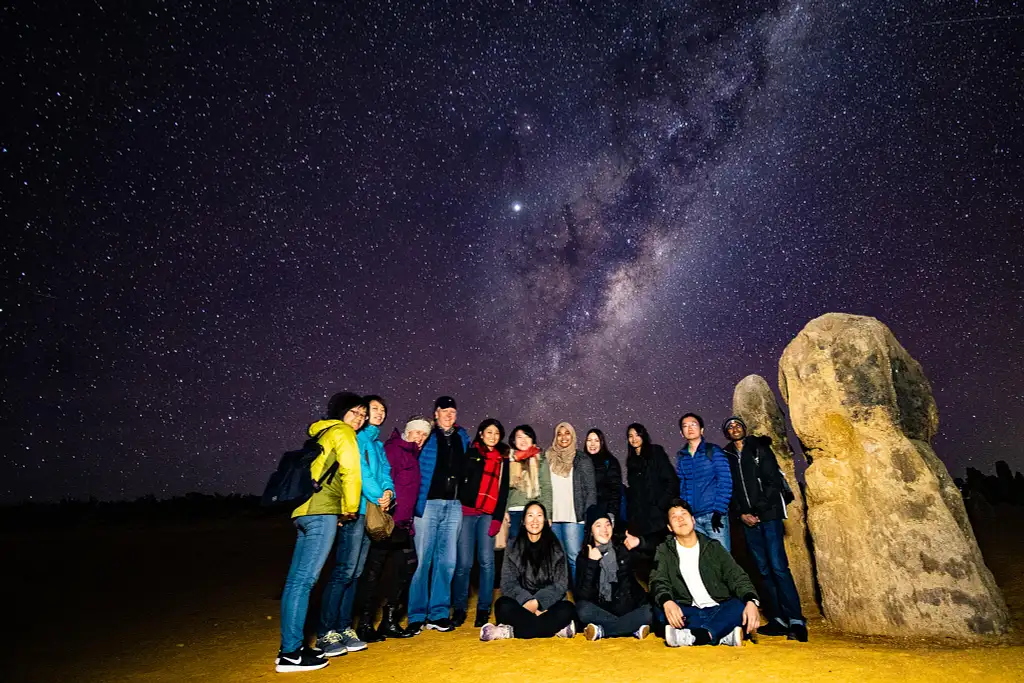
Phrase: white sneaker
[734,638]
[642,632]
[593,632]
[495,632]
[678,637]
[568,632]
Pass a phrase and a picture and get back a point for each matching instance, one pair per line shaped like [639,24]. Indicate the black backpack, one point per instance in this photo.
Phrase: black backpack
[293,484]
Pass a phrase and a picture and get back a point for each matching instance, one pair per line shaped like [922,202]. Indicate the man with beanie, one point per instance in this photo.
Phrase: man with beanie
[758,501]
[437,521]
[705,481]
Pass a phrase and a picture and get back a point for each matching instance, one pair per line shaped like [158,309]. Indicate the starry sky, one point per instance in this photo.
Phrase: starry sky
[218,214]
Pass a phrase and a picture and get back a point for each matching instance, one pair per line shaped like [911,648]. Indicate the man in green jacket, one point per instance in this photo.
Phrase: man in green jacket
[703,596]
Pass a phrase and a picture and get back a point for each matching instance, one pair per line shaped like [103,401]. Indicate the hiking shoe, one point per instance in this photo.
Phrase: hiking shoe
[482,617]
[734,638]
[568,632]
[459,618]
[593,632]
[678,637]
[331,644]
[774,628]
[300,660]
[797,631]
[642,632]
[351,640]
[414,629]
[443,625]
[495,632]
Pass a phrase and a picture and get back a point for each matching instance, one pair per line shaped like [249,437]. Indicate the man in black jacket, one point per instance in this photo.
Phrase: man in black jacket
[758,501]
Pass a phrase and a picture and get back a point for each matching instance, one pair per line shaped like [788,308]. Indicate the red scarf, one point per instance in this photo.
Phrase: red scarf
[520,456]
[490,481]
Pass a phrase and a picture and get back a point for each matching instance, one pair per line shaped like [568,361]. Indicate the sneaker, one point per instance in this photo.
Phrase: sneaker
[414,628]
[300,660]
[734,638]
[442,625]
[593,632]
[351,640]
[678,637]
[331,644]
[482,617]
[459,618]
[568,632]
[774,628]
[797,631]
[495,632]
[642,632]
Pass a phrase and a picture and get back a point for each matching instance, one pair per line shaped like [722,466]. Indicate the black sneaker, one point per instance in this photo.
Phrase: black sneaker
[797,632]
[773,628]
[482,617]
[414,628]
[460,618]
[300,660]
[442,625]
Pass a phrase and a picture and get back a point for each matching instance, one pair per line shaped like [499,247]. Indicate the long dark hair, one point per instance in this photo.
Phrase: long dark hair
[479,438]
[645,439]
[603,452]
[538,562]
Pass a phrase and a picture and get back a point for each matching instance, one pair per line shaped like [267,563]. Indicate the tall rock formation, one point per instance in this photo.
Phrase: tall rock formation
[894,551]
[754,401]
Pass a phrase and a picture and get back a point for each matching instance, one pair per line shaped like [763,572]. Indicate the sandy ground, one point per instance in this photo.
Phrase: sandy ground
[173,604]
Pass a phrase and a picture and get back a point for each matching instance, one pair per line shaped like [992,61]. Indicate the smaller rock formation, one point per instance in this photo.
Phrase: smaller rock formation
[894,551]
[754,401]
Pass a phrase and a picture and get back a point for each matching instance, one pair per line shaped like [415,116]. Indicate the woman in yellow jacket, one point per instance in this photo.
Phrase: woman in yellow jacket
[316,521]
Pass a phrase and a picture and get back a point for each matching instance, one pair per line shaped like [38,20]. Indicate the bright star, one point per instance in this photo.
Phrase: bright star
[517,207]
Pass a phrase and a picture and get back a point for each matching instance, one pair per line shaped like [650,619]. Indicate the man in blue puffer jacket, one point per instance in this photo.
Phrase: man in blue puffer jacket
[335,635]
[705,480]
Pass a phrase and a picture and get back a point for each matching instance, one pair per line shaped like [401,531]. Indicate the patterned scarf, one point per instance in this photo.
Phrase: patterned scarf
[561,458]
[524,473]
[490,481]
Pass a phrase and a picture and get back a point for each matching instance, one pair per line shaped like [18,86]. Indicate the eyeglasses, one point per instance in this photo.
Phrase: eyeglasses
[691,424]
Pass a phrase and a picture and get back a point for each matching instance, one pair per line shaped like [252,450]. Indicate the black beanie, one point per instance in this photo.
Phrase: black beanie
[594,513]
[734,418]
[342,402]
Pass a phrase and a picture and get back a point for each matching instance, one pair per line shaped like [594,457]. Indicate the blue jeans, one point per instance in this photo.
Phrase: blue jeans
[718,620]
[703,525]
[570,534]
[766,543]
[340,592]
[312,547]
[515,520]
[474,543]
[437,538]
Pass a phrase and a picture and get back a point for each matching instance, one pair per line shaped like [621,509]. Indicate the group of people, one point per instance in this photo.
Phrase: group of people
[565,523]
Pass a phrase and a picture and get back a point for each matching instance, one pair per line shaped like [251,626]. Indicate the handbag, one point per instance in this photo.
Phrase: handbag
[379,524]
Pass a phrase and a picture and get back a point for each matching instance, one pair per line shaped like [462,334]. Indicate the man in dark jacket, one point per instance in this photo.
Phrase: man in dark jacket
[758,501]
[703,596]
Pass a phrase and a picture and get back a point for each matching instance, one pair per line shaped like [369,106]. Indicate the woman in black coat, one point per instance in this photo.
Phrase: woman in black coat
[607,472]
[653,484]
[609,600]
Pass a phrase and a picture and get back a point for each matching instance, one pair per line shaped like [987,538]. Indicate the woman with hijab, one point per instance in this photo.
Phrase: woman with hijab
[653,484]
[573,490]
[609,600]
[483,493]
[533,585]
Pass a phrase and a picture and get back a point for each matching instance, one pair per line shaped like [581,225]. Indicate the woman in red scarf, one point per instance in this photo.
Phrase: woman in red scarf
[483,493]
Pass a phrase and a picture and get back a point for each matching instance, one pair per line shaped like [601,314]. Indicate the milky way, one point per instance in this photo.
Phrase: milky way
[216,216]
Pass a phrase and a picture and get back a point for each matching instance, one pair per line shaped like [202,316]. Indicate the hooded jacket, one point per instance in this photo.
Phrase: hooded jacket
[428,460]
[705,480]
[340,495]
[403,457]
[627,593]
[722,577]
[652,486]
[375,466]
[756,480]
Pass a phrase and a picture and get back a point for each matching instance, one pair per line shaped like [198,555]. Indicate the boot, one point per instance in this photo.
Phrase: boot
[365,630]
[389,626]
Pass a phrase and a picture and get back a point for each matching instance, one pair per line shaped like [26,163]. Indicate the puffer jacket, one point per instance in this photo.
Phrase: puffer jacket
[705,480]
[375,466]
[340,495]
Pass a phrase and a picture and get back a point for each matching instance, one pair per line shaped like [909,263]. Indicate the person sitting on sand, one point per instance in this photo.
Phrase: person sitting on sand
[609,599]
[704,597]
[534,580]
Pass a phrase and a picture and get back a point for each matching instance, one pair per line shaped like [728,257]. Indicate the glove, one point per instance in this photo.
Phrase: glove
[494,528]
[716,521]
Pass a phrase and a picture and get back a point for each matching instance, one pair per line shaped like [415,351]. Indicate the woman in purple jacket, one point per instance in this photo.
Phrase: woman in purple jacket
[402,451]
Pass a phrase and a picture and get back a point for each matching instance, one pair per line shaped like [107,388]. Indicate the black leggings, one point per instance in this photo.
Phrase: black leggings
[398,551]
[526,624]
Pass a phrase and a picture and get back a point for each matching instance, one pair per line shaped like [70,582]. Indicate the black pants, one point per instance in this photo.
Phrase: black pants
[526,624]
[395,553]
[614,627]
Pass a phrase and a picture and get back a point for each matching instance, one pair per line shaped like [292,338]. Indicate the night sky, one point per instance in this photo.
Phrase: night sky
[217,214]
